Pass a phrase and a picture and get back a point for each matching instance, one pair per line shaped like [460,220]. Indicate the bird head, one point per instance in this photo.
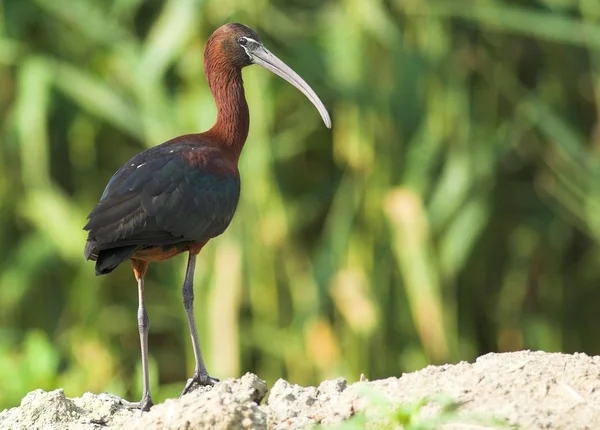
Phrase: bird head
[239,46]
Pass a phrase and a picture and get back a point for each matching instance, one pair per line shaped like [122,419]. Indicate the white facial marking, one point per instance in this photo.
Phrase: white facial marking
[249,42]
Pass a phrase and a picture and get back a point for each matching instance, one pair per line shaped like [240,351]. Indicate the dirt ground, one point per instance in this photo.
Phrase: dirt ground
[527,390]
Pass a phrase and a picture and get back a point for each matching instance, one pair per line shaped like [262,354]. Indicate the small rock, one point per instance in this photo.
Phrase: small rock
[333,387]
[231,404]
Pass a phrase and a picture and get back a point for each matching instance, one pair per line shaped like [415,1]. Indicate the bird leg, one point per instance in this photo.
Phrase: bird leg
[201,376]
[139,270]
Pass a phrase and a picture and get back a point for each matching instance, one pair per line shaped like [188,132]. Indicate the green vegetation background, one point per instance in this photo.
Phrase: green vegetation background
[453,209]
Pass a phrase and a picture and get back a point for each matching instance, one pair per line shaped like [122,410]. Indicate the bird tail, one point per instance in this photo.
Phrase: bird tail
[107,260]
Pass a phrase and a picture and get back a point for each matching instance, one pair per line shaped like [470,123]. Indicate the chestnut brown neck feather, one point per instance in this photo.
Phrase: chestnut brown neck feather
[227,88]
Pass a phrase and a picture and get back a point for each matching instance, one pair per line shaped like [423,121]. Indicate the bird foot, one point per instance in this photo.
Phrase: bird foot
[143,405]
[201,379]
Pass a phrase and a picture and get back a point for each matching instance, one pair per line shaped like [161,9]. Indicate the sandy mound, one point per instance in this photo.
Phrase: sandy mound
[533,390]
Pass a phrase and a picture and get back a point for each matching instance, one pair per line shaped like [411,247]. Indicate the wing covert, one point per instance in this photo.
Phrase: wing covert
[160,197]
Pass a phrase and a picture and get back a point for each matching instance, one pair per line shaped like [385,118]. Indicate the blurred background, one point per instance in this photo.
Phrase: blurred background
[452,210]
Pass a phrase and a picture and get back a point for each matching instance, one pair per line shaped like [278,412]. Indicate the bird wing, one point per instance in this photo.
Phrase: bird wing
[165,195]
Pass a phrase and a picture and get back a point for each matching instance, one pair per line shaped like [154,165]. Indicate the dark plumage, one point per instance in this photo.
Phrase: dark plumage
[175,197]
[169,197]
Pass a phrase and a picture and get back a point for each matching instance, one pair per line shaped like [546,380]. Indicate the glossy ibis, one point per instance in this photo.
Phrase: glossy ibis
[176,196]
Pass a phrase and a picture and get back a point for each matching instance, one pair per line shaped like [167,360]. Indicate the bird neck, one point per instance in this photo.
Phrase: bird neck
[233,118]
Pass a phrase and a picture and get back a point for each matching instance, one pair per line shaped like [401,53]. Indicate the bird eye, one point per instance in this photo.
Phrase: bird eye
[242,41]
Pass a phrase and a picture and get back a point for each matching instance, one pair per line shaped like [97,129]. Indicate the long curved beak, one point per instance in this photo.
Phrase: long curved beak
[263,57]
